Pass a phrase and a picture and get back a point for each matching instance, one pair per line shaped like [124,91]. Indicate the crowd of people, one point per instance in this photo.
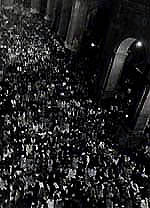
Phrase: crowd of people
[56,148]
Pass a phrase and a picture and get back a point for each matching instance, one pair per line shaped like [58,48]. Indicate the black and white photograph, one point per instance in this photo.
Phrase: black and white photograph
[74,104]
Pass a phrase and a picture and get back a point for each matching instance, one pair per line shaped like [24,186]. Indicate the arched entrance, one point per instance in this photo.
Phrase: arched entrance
[127,78]
[99,15]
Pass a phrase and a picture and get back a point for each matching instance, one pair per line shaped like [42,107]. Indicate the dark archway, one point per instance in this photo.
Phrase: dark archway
[132,82]
[98,20]
[43,7]
[127,77]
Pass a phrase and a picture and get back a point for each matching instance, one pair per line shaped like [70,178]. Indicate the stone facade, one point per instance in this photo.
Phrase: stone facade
[130,20]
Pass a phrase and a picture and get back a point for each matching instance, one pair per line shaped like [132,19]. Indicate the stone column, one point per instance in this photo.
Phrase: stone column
[144,114]
[56,14]
[116,66]
[77,24]
[64,18]
[50,11]
[35,6]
